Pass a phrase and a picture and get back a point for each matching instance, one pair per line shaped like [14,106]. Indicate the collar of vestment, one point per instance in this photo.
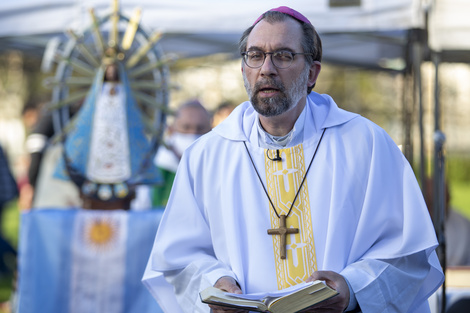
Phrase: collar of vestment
[320,108]
[294,137]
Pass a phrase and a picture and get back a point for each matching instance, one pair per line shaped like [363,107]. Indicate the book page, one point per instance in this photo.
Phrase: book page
[262,296]
[216,296]
[287,300]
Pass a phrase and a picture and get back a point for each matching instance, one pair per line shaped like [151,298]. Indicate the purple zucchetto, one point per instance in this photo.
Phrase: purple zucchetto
[288,11]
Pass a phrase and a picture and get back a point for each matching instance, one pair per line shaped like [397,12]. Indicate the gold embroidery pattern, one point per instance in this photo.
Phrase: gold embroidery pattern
[283,180]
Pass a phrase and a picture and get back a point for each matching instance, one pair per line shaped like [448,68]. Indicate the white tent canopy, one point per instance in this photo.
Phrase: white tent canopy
[187,16]
[369,33]
[362,32]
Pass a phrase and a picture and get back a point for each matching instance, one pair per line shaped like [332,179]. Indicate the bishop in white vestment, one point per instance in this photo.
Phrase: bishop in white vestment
[291,188]
[359,212]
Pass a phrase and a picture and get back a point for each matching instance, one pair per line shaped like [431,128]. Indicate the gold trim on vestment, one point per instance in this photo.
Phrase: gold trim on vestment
[283,180]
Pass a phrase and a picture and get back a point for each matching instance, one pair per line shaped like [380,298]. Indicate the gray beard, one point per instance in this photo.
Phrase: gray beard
[286,100]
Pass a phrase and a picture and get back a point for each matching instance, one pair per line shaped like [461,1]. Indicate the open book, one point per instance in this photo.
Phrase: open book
[287,300]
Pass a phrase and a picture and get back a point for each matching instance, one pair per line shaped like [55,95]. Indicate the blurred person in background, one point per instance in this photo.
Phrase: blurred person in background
[8,193]
[191,120]
[42,190]
[222,111]
[30,115]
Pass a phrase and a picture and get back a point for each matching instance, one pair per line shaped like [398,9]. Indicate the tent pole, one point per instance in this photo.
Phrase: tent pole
[439,201]
[408,108]
[418,97]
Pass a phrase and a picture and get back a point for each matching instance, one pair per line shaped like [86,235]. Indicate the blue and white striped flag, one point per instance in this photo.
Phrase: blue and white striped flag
[82,261]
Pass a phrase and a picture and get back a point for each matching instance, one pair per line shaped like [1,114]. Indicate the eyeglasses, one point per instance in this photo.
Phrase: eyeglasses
[281,59]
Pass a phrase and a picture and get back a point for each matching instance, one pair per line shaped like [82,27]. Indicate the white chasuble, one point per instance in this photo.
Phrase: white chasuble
[361,201]
[284,179]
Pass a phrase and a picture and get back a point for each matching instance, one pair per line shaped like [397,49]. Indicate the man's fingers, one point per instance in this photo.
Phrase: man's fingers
[228,284]
[337,282]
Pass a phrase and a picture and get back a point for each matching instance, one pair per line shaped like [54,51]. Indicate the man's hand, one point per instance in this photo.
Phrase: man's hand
[227,284]
[338,303]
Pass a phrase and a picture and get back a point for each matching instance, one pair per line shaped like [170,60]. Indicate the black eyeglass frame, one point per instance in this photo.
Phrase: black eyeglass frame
[245,55]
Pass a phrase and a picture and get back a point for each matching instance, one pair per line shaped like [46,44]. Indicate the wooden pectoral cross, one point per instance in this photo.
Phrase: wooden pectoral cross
[282,231]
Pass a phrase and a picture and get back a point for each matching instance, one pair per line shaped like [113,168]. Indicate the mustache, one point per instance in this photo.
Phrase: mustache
[271,82]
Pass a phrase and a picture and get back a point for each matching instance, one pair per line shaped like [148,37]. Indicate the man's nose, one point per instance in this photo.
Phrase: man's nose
[268,67]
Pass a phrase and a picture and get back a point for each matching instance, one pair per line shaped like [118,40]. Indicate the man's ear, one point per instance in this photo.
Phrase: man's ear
[314,71]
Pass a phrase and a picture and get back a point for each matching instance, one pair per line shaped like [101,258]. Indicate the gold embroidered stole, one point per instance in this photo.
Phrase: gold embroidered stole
[283,180]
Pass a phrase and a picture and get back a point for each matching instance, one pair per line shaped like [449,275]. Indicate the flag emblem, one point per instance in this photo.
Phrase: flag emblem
[101,233]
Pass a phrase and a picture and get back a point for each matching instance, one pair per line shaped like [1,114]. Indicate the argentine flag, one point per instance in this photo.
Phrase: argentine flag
[83,261]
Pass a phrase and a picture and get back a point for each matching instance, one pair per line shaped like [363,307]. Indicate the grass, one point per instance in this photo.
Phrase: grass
[460,197]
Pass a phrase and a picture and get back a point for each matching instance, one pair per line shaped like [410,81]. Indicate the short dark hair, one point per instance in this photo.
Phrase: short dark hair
[193,103]
[311,42]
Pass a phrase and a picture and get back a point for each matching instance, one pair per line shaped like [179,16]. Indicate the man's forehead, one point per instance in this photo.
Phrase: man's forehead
[192,115]
[191,110]
[278,35]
